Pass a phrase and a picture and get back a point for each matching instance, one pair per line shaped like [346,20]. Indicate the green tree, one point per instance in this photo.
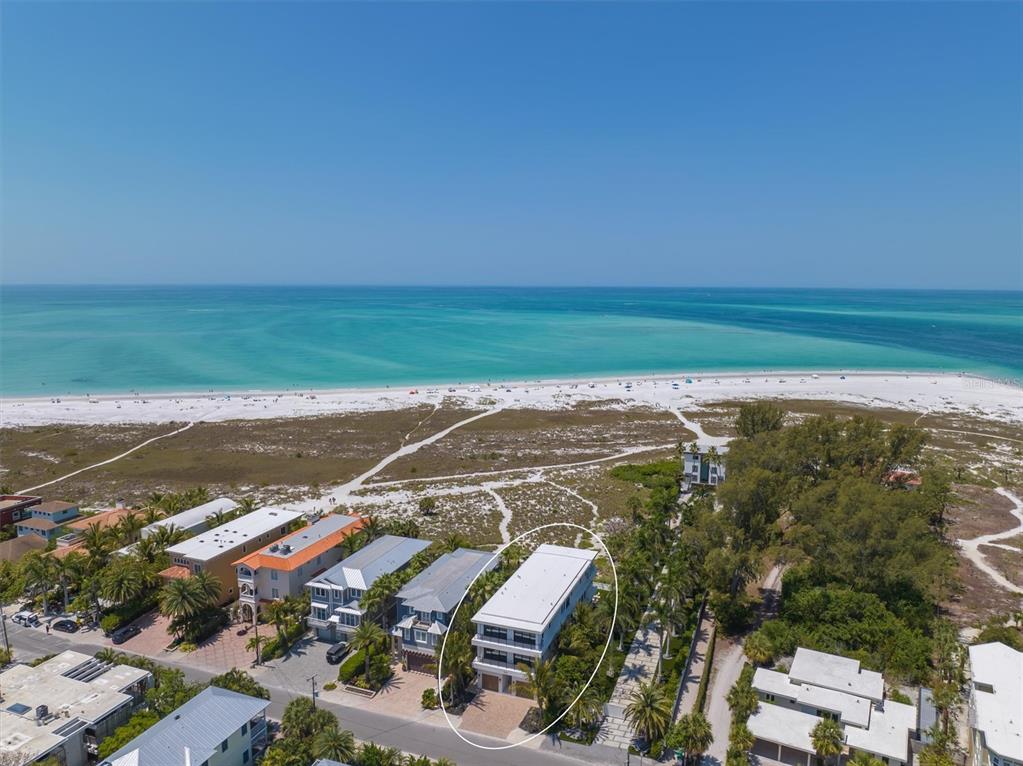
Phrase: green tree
[239,681]
[368,638]
[692,734]
[124,734]
[649,712]
[334,744]
[757,418]
[38,570]
[541,683]
[758,649]
[827,739]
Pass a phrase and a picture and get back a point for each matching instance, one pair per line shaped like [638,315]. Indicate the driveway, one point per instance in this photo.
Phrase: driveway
[495,714]
[403,694]
[307,659]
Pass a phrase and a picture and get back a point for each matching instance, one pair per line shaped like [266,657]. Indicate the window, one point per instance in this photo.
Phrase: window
[421,636]
[518,658]
[223,746]
[273,574]
[245,757]
[245,728]
[320,614]
[423,616]
[519,637]
[491,632]
[196,567]
[769,697]
[318,559]
[355,592]
[495,656]
[283,530]
[274,593]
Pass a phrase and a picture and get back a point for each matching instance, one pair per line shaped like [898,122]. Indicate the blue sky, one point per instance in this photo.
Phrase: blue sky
[799,144]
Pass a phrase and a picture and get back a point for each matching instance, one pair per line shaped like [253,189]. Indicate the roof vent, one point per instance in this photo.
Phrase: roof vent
[274,548]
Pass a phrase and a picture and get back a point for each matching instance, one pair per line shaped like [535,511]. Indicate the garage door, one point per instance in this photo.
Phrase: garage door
[491,683]
[765,749]
[793,757]
[422,663]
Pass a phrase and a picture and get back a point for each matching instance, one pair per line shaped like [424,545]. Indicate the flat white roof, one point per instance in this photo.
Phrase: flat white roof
[528,599]
[783,726]
[834,672]
[193,517]
[852,709]
[888,734]
[999,713]
[215,542]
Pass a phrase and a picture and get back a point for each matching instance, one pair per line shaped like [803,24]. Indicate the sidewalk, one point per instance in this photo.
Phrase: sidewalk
[694,668]
[640,667]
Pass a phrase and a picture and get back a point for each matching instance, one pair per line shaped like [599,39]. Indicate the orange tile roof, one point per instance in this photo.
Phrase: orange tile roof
[105,519]
[257,559]
[175,573]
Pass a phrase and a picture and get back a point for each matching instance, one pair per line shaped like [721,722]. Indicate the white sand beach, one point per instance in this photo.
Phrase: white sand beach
[914,391]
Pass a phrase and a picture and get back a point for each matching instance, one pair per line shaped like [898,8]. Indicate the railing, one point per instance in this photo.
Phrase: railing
[506,642]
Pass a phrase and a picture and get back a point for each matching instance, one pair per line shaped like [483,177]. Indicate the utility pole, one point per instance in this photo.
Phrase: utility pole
[3,622]
[312,681]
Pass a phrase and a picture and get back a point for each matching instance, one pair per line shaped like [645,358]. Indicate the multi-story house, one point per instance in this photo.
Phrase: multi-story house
[425,604]
[996,705]
[520,623]
[217,727]
[216,550]
[46,519]
[336,611]
[282,568]
[703,466]
[64,707]
[16,507]
[819,686]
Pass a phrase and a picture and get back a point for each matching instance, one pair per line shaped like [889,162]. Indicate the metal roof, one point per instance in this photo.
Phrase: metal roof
[233,534]
[200,725]
[439,587]
[360,570]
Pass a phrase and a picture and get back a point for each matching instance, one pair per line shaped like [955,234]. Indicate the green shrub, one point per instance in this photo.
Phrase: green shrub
[896,695]
[187,646]
[329,686]
[5,657]
[701,692]
[429,699]
[109,623]
[351,666]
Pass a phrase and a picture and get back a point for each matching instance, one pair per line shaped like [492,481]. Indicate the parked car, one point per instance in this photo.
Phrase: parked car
[29,619]
[65,626]
[121,635]
[336,653]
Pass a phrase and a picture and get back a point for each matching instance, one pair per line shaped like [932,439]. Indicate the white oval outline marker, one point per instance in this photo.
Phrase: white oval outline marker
[607,644]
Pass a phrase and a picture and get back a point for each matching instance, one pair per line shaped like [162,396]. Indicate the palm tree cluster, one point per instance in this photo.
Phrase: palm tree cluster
[191,604]
[309,733]
[287,617]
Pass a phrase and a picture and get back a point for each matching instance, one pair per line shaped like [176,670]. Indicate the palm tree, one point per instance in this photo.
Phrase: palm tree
[692,734]
[741,737]
[208,585]
[38,571]
[217,518]
[453,541]
[827,739]
[334,744]
[742,701]
[371,528]
[128,527]
[97,543]
[151,514]
[279,615]
[181,597]
[541,683]
[122,581]
[255,644]
[367,638]
[649,712]
[68,569]
[458,657]
[246,505]
[758,649]
[586,710]
[146,550]
[167,535]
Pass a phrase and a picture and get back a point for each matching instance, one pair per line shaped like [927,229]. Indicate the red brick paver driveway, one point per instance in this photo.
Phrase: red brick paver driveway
[495,714]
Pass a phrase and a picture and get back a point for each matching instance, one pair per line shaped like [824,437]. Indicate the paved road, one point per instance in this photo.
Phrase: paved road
[390,731]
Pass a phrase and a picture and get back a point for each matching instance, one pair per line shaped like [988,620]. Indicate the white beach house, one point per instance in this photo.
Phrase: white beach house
[996,705]
[819,686]
[704,465]
[519,624]
[426,602]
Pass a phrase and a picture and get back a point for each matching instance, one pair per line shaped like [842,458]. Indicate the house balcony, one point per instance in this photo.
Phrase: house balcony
[496,668]
[530,650]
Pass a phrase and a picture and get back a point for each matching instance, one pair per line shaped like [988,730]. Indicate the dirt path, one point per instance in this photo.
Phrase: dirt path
[114,459]
[340,495]
[594,515]
[701,436]
[970,548]
[728,664]
[506,515]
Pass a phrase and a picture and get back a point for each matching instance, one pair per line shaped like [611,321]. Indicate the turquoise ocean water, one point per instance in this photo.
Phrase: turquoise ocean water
[63,340]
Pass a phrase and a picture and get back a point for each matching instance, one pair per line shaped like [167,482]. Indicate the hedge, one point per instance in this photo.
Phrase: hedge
[701,692]
[352,666]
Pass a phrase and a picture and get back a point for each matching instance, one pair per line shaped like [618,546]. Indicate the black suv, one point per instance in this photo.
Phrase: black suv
[336,653]
[121,635]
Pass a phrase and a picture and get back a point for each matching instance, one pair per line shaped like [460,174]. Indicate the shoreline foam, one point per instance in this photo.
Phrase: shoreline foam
[908,390]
